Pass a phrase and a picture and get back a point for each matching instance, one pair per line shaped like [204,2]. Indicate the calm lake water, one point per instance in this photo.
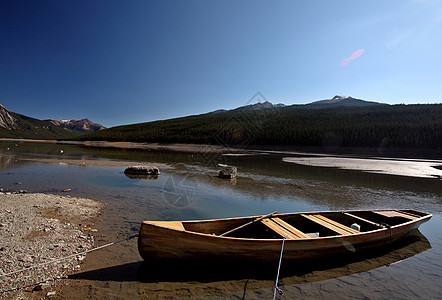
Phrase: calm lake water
[188,189]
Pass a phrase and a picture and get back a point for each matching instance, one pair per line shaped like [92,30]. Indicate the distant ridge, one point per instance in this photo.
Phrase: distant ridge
[258,106]
[338,101]
[14,125]
[81,125]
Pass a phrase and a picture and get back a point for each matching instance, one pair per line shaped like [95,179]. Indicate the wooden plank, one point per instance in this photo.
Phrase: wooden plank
[296,232]
[278,229]
[332,225]
[337,224]
[409,213]
[393,213]
[364,220]
[172,224]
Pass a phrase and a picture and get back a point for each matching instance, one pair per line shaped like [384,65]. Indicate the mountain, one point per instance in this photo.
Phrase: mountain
[339,101]
[336,101]
[251,107]
[258,106]
[7,120]
[14,125]
[81,125]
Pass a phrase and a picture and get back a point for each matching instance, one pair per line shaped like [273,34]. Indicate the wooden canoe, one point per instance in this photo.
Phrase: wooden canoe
[312,235]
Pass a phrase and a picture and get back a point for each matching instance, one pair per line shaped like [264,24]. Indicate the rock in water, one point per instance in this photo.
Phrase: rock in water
[228,172]
[142,170]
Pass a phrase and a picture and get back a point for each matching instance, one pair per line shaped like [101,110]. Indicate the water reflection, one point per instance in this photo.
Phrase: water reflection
[6,162]
[142,177]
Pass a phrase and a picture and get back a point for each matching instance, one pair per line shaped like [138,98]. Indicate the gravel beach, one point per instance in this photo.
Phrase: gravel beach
[37,228]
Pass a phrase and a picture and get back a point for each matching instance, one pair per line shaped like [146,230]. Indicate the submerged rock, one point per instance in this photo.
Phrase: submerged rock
[228,172]
[142,170]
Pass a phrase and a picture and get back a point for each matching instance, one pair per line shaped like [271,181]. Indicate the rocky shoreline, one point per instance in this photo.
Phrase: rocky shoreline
[38,228]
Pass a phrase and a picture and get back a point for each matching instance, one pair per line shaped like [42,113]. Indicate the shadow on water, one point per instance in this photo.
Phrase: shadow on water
[212,272]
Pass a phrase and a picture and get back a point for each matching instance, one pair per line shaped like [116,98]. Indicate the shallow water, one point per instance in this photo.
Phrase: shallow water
[190,190]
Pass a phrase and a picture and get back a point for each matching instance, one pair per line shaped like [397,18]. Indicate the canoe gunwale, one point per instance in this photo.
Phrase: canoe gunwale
[288,214]
[343,236]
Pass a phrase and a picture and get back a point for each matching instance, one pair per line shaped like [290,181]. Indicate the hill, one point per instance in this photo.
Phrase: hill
[373,125]
[14,125]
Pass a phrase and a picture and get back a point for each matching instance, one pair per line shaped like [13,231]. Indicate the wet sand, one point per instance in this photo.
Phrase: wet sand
[191,148]
[389,166]
[92,162]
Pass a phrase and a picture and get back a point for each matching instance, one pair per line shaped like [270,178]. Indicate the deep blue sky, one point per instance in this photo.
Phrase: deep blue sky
[121,62]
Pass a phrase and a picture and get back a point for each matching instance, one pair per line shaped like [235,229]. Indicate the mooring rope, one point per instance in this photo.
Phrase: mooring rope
[68,257]
[277,275]
[388,226]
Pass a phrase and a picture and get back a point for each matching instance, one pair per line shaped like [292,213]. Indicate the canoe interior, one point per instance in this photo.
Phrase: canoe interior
[310,224]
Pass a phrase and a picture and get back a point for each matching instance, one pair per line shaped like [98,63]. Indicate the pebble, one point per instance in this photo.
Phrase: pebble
[24,244]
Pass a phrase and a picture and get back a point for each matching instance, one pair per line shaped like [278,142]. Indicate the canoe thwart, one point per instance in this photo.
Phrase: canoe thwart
[364,220]
[249,223]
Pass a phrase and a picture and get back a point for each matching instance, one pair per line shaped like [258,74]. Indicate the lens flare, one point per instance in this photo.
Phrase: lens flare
[354,55]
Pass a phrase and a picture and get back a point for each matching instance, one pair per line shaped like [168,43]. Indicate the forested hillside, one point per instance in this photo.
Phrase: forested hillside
[14,125]
[30,128]
[410,126]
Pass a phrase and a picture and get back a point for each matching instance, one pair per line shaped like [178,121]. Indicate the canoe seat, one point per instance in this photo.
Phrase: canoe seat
[172,224]
[395,213]
[332,225]
[284,229]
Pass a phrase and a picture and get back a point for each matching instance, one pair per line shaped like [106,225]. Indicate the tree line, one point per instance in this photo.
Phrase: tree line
[405,126]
